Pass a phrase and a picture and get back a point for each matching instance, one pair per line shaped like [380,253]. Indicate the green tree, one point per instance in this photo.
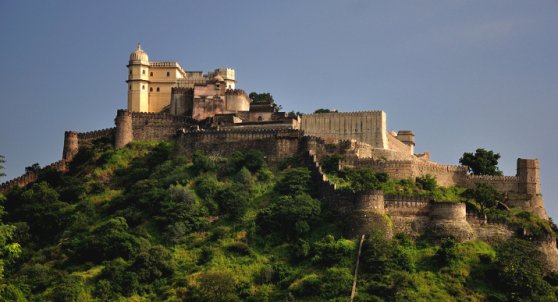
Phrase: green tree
[294,181]
[264,98]
[427,182]
[482,162]
[364,179]
[216,286]
[33,168]
[323,110]
[519,268]
[289,216]
[2,161]
[485,195]
[233,201]
[153,264]
[261,98]
[9,250]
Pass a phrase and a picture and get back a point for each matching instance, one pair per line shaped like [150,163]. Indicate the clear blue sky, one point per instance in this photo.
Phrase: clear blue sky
[461,74]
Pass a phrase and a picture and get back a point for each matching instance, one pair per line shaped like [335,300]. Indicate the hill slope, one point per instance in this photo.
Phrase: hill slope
[144,223]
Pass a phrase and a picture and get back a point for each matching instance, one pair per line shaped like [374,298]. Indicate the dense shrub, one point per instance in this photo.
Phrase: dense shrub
[519,268]
[290,215]
[152,264]
[107,241]
[295,181]
[329,251]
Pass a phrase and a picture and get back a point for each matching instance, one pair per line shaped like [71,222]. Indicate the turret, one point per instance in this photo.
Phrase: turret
[408,138]
[528,176]
[138,81]
[124,133]
[71,145]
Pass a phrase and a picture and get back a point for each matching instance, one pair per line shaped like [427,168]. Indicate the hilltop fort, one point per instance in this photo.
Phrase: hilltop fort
[207,112]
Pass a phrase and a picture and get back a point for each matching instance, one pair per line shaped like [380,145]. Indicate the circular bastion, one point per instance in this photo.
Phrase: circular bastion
[368,215]
[449,219]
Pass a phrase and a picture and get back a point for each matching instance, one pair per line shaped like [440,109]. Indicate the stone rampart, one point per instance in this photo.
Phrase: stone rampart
[32,176]
[523,190]
[97,134]
[275,144]
[368,127]
[156,126]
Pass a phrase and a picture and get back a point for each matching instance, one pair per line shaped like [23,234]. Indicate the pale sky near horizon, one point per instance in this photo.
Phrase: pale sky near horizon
[461,74]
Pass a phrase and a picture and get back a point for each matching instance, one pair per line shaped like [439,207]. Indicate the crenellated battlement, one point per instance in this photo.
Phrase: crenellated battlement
[31,176]
[352,113]
[235,92]
[492,178]
[96,134]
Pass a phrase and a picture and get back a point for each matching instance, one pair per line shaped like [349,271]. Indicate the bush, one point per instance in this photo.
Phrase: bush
[519,269]
[109,240]
[329,251]
[336,282]
[232,201]
[295,181]
[239,248]
[201,163]
[330,163]
[309,285]
[427,182]
[289,216]
[364,179]
[215,286]
[447,254]
[153,264]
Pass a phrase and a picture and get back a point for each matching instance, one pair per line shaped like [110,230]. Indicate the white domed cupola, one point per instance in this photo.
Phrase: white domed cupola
[139,55]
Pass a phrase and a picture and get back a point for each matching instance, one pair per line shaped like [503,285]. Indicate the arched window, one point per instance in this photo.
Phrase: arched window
[130,87]
[260,118]
[151,74]
[168,74]
[143,72]
[130,72]
[143,87]
[158,89]
[150,89]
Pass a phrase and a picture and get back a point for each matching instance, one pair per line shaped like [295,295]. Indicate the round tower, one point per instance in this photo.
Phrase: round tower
[369,215]
[124,133]
[138,81]
[449,219]
[71,145]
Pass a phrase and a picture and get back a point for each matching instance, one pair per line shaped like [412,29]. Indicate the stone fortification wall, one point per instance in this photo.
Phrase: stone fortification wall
[368,127]
[522,190]
[404,169]
[396,145]
[409,215]
[32,176]
[72,139]
[156,126]
[276,144]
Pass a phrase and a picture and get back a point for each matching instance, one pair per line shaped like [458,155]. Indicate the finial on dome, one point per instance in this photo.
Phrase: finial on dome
[139,54]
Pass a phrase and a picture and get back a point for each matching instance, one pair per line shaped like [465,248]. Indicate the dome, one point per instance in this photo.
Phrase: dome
[139,55]
[218,78]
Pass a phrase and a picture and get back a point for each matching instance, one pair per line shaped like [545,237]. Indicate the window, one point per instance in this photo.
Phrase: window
[143,87]
[151,89]
[260,118]
[151,74]
[158,89]
[130,72]
[130,87]
[143,72]
[168,74]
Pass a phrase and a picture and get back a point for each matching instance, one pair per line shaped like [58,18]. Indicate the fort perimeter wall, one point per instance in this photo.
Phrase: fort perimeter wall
[367,126]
